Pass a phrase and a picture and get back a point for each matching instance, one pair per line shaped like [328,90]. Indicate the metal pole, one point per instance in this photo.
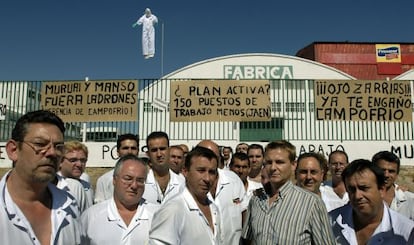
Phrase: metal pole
[84,124]
[162,49]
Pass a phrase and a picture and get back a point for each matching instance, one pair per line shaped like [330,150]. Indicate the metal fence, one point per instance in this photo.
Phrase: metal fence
[292,106]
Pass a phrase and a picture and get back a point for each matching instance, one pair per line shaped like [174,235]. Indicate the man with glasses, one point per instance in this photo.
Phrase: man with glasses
[126,144]
[73,165]
[126,217]
[32,210]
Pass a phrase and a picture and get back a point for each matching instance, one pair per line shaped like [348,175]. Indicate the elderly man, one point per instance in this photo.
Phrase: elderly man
[125,144]
[32,209]
[125,218]
[367,219]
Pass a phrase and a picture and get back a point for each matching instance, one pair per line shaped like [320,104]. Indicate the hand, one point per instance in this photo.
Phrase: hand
[134,25]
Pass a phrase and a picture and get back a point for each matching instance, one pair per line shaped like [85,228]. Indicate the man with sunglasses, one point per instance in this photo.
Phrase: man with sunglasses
[32,209]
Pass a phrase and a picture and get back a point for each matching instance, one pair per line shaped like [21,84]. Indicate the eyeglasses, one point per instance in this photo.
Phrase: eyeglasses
[43,147]
[129,180]
[75,160]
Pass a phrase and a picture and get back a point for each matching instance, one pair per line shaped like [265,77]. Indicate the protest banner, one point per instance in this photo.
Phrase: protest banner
[91,101]
[220,100]
[356,100]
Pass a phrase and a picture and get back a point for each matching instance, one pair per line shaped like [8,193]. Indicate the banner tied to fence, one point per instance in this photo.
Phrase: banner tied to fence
[91,101]
[220,100]
[356,100]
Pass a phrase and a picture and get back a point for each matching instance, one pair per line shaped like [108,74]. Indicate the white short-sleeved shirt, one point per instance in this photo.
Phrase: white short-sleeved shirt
[104,187]
[251,187]
[403,203]
[75,188]
[85,176]
[393,229]
[229,198]
[16,229]
[88,190]
[331,199]
[180,221]
[153,192]
[102,224]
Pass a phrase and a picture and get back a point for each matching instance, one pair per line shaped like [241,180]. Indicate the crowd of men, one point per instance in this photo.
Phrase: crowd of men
[202,194]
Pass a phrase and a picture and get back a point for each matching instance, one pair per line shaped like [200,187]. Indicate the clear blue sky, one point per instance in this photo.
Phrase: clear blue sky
[72,39]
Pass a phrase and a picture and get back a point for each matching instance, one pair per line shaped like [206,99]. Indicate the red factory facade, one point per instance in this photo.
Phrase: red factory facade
[363,60]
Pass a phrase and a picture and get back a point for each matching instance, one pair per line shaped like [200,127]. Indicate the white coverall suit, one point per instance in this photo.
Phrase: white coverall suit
[148,21]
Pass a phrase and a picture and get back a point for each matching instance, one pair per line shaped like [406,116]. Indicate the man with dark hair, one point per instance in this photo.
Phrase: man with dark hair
[191,217]
[336,195]
[256,158]
[396,199]
[227,194]
[125,144]
[240,165]
[162,183]
[226,154]
[284,213]
[125,217]
[242,147]
[310,171]
[367,219]
[32,209]
[176,159]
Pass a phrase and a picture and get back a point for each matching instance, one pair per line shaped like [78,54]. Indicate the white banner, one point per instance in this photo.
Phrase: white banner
[103,154]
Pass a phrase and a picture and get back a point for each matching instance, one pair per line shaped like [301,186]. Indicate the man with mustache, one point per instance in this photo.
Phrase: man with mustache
[32,209]
[125,218]
[367,219]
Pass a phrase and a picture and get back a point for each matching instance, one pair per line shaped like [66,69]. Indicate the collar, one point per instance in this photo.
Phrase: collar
[174,178]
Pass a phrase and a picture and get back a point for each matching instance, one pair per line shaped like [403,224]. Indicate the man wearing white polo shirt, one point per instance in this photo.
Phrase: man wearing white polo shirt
[125,218]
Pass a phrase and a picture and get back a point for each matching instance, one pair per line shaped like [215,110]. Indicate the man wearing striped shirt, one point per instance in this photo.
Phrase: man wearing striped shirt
[283,213]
